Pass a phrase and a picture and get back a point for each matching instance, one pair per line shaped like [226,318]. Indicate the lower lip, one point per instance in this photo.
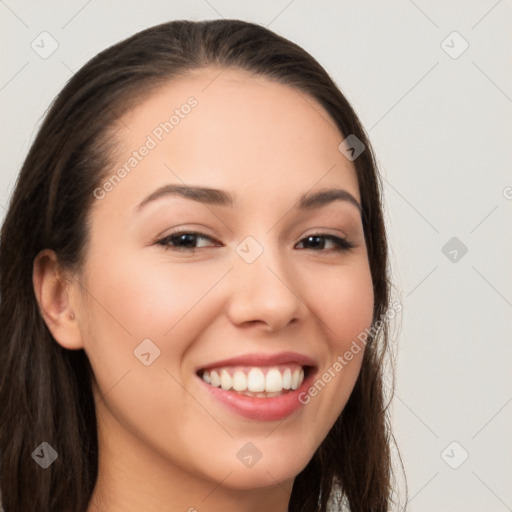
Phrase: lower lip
[263,409]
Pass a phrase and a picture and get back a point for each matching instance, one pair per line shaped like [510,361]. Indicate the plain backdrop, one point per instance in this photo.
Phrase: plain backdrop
[432,84]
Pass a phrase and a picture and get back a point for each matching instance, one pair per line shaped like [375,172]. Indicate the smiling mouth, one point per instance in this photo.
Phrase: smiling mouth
[257,381]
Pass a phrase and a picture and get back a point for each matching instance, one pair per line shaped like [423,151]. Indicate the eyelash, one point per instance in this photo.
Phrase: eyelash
[342,244]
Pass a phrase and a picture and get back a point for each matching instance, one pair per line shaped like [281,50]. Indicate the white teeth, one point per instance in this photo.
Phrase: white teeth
[273,380]
[214,376]
[295,379]
[239,381]
[226,381]
[287,379]
[255,382]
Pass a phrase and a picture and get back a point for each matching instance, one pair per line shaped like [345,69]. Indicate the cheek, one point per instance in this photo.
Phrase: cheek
[344,304]
[343,301]
[131,302]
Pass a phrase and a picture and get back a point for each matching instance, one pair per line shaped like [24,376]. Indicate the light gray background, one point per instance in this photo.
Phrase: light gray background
[441,129]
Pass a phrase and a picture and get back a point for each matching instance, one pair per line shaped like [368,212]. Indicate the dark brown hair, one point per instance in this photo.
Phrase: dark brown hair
[45,390]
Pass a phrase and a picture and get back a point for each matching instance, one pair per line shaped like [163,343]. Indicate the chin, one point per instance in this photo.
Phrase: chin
[244,479]
[273,467]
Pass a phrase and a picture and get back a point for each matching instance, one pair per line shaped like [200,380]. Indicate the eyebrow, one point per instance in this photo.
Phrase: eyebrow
[212,196]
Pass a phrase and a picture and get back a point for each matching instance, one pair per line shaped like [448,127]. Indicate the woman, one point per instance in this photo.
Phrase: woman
[194,287]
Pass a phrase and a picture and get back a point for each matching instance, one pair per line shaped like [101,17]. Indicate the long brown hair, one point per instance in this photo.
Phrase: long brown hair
[45,390]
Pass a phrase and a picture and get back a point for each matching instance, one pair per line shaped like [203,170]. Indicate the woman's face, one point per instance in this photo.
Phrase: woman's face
[261,295]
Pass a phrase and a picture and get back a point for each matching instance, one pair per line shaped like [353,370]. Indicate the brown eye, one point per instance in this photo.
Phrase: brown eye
[184,240]
[318,242]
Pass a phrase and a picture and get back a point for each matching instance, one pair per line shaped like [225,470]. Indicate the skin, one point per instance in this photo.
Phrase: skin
[165,443]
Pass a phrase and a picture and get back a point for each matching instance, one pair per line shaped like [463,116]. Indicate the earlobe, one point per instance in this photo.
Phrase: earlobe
[53,293]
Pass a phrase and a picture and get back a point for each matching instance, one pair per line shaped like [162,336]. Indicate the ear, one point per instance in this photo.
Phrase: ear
[54,294]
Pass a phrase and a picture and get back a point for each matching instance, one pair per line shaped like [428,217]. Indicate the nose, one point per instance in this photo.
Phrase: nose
[265,292]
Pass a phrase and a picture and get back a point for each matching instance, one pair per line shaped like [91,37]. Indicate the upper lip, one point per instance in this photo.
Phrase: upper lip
[259,359]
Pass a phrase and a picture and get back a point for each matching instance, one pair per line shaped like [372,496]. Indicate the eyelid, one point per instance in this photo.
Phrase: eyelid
[342,242]
[324,231]
[200,230]
[205,231]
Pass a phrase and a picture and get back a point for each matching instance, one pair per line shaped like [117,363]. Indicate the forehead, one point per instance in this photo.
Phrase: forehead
[230,129]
